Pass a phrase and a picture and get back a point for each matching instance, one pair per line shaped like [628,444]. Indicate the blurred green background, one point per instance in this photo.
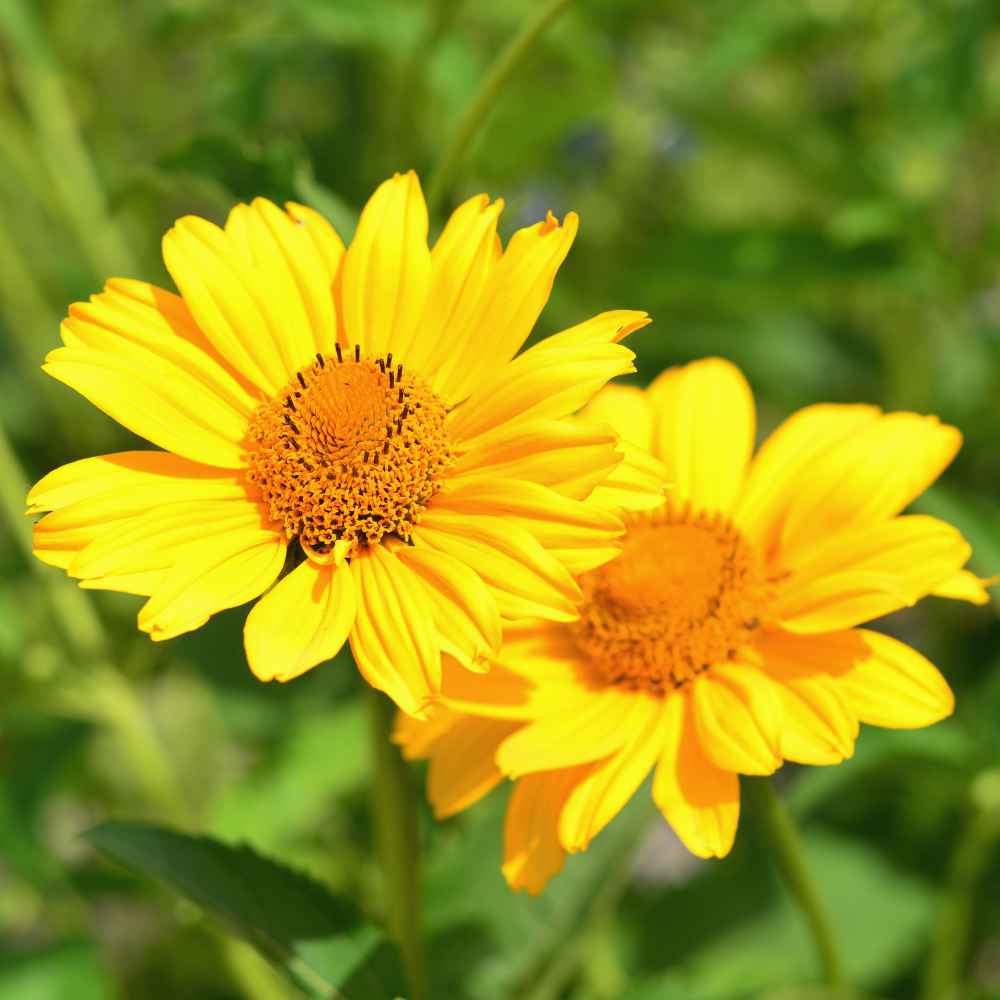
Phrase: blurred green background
[808,187]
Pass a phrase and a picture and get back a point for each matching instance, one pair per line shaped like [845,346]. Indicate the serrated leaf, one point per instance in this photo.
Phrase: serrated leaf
[318,939]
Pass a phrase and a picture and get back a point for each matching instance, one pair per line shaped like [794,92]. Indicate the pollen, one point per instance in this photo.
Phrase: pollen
[687,592]
[349,451]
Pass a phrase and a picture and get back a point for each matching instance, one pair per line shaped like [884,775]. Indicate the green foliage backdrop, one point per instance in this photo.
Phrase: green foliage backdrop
[807,187]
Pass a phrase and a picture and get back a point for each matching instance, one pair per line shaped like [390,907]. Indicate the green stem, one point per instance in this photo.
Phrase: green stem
[396,837]
[486,97]
[776,822]
[949,946]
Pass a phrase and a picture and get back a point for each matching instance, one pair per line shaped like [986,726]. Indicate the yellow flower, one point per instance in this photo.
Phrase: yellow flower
[366,404]
[722,641]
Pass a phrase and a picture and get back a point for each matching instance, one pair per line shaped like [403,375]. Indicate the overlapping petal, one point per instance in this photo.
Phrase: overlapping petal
[301,622]
[527,581]
[703,431]
[867,571]
[216,572]
[512,301]
[552,379]
[393,639]
[581,536]
[532,852]
[698,799]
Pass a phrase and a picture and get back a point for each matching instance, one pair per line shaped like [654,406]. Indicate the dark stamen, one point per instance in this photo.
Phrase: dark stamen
[302,381]
[399,372]
[291,423]
[392,381]
[357,352]
[319,359]
[340,353]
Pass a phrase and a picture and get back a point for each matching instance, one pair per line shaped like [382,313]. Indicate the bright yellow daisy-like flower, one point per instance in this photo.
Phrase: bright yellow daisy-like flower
[363,406]
[723,640]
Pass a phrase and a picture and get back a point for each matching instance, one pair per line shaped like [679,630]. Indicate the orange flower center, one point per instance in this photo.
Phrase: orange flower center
[686,592]
[350,450]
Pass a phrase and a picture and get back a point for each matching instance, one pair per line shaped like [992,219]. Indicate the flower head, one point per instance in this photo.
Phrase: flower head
[352,424]
[723,640]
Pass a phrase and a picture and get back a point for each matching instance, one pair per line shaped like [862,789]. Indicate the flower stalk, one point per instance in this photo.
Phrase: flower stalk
[396,840]
[487,95]
[777,825]
[976,844]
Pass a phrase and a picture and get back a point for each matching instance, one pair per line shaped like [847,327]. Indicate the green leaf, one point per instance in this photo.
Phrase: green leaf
[318,939]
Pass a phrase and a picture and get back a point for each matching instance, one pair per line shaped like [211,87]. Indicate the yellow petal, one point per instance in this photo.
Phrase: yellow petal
[787,656]
[703,431]
[699,800]
[462,768]
[465,612]
[154,329]
[527,581]
[870,475]
[462,261]
[417,738]
[325,239]
[518,289]
[581,536]
[761,696]
[535,673]
[915,553]
[217,572]
[604,792]
[570,457]
[165,406]
[386,270]
[120,477]
[839,601]
[818,725]
[589,727]
[894,686]
[228,301]
[532,853]
[638,483]
[153,539]
[729,730]
[394,643]
[143,583]
[785,459]
[303,621]
[97,497]
[551,379]
[965,586]
[627,410]
[293,275]
[499,694]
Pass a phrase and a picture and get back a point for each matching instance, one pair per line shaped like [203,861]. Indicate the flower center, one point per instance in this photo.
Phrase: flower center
[350,450]
[687,592]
